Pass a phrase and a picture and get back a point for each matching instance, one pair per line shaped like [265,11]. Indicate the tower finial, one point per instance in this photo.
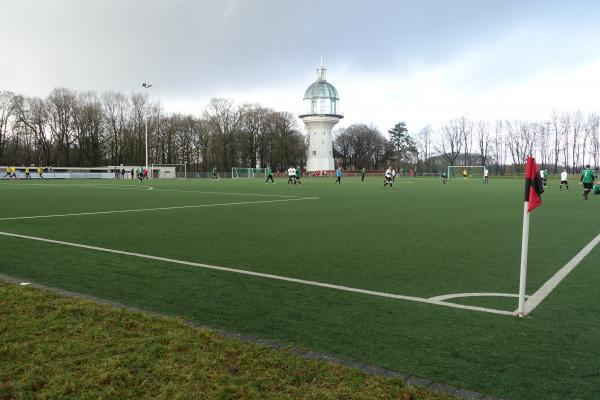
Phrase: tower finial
[321,71]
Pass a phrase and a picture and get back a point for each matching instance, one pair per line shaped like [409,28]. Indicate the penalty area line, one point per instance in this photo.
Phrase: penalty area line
[154,209]
[260,274]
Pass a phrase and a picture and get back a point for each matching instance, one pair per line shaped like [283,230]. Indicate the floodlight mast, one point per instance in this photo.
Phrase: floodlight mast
[146,86]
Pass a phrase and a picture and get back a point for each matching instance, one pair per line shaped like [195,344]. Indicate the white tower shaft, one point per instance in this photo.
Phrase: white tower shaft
[320,147]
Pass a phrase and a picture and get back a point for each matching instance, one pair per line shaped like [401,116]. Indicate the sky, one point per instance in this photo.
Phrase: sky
[423,62]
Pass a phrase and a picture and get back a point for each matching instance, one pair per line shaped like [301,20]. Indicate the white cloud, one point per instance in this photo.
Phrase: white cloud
[431,95]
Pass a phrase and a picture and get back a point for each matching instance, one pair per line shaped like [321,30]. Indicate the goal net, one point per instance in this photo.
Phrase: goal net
[471,171]
[168,171]
[248,173]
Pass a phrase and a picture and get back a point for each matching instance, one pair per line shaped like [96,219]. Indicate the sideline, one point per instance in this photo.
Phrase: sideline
[264,275]
[154,209]
[543,292]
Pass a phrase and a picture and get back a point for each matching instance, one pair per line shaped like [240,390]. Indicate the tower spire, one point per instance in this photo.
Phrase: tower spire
[321,71]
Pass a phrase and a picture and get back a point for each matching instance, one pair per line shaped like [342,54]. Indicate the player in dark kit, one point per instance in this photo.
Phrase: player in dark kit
[298,173]
[269,175]
[587,178]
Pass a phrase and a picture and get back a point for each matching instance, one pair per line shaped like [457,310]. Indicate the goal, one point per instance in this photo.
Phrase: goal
[473,171]
[168,171]
[248,173]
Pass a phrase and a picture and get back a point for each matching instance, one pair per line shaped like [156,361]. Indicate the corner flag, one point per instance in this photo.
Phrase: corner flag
[533,185]
[533,191]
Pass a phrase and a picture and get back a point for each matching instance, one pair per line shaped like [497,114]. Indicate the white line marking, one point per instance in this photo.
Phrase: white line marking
[232,193]
[131,187]
[155,209]
[262,275]
[117,187]
[548,287]
[51,185]
[483,294]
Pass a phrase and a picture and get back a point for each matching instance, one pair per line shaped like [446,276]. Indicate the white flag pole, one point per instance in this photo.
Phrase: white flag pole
[524,248]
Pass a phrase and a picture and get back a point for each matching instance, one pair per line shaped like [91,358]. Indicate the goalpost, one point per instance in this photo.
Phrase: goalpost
[251,173]
[168,171]
[473,171]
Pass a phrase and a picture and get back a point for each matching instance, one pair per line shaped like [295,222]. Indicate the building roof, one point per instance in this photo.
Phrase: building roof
[321,90]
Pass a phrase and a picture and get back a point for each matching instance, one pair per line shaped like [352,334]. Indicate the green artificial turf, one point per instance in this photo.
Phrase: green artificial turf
[420,239]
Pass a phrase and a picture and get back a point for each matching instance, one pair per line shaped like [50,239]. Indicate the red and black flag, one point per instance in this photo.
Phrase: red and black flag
[533,185]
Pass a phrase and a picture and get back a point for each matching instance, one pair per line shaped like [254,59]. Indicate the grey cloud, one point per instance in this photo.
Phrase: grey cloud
[201,47]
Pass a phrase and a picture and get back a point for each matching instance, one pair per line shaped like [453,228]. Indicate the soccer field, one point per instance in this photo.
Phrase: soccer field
[421,279]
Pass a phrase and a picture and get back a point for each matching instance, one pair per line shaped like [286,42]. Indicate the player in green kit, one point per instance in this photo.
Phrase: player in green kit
[269,174]
[298,176]
[587,178]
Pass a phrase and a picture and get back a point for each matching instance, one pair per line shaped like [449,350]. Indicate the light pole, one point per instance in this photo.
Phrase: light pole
[146,86]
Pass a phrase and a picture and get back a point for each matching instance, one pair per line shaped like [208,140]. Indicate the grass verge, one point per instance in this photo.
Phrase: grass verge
[55,347]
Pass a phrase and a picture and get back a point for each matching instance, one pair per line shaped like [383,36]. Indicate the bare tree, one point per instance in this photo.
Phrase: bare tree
[60,103]
[483,141]
[592,131]
[521,137]
[252,127]
[565,127]
[544,145]
[452,140]
[556,129]
[223,118]
[343,146]
[424,146]
[7,108]
[576,145]
[88,122]
[116,112]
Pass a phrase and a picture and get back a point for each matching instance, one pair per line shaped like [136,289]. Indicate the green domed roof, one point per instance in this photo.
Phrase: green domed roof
[321,90]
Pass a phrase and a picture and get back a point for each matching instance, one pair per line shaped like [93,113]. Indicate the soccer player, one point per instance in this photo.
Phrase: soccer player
[544,176]
[486,175]
[40,172]
[291,175]
[587,178]
[363,172]
[389,179]
[563,180]
[13,173]
[214,173]
[298,175]
[27,174]
[393,175]
[338,175]
[444,177]
[8,170]
[269,174]
[596,188]
[465,173]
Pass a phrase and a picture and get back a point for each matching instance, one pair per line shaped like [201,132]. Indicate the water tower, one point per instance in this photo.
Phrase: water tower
[321,113]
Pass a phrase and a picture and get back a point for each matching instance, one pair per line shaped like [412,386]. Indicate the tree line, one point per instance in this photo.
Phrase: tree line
[69,128]
[86,129]
[567,140]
